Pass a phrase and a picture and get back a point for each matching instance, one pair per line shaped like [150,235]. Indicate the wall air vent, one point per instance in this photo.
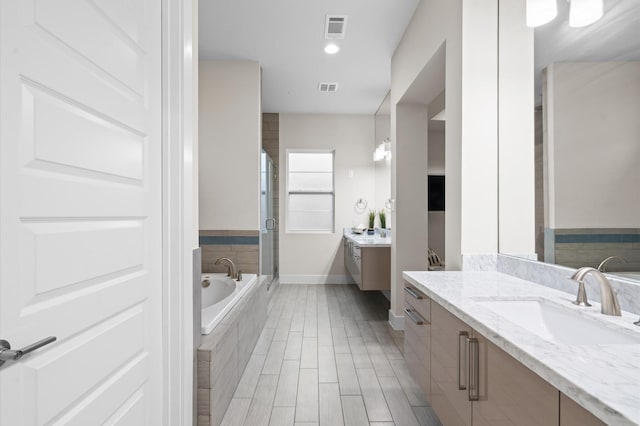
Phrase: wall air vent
[335,27]
[328,87]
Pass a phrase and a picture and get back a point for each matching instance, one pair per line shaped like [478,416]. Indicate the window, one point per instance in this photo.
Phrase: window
[310,191]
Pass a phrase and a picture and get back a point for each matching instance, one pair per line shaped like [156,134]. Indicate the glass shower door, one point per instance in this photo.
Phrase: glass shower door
[267,221]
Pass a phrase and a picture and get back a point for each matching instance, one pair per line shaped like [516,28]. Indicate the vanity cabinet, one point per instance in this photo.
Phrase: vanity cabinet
[370,267]
[352,256]
[572,414]
[508,392]
[472,381]
[417,337]
[449,395]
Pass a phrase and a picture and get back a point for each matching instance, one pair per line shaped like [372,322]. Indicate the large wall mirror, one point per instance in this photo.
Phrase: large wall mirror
[587,112]
[382,163]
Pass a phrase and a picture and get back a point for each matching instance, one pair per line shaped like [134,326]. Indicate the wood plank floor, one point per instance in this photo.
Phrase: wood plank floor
[327,356]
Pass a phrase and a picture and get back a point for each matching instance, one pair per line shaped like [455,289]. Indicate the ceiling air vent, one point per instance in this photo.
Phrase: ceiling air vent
[327,87]
[335,27]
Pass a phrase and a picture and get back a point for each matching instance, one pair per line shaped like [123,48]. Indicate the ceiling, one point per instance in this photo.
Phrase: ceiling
[615,37]
[287,38]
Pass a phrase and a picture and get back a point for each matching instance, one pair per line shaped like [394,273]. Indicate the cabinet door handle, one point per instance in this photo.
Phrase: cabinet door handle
[474,369]
[463,337]
[413,293]
[414,316]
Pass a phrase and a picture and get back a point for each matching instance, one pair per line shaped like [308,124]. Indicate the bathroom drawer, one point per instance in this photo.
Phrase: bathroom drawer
[416,335]
[416,350]
[418,300]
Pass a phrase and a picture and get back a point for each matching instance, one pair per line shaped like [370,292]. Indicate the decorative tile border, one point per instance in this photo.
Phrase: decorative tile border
[589,246]
[596,238]
[241,246]
[228,240]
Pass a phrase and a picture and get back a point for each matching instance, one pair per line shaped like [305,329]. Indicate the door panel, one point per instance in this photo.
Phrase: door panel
[96,144]
[510,393]
[417,350]
[572,414]
[80,210]
[106,44]
[450,403]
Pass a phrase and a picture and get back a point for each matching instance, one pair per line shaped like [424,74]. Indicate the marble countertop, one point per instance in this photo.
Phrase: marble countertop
[604,378]
[364,240]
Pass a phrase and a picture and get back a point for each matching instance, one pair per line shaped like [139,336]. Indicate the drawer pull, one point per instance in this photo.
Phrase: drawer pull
[413,293]
[474,369]
[463,338]
[415,317]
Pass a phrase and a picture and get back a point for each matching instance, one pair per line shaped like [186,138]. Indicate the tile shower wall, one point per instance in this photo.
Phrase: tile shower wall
[239,246]
[271,145]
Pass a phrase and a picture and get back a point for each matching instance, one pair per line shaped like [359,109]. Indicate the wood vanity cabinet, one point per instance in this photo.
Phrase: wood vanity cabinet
[572,414]
[473,382]
[370,267]
[509,393]
[417,337]
[449,398]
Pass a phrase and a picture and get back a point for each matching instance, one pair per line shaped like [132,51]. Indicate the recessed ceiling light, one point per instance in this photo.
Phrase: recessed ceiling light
[331,49]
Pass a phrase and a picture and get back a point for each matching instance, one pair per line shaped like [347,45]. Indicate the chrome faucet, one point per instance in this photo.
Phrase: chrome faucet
[608,298]
[231,267]
[602,264]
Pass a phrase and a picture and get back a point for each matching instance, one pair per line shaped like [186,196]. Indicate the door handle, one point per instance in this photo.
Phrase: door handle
[413,293]
[415,317]
[474,369]
[271,221]
[463,338]
[7,354]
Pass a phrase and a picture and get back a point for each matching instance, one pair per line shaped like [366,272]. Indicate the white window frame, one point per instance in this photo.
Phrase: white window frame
[332,192]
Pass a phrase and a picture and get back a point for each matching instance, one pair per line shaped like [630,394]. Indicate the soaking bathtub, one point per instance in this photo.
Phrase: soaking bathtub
[220,297]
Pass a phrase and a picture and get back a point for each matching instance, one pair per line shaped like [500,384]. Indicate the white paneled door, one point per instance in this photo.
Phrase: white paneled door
[80,211]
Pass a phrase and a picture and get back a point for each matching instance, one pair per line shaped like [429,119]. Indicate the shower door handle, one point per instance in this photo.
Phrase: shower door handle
[270,224]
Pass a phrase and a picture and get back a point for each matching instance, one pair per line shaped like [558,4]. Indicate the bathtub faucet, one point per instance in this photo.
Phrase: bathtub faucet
[231,268]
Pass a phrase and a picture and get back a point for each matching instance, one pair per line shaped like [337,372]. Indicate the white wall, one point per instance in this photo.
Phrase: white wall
[319,257]
[410,233]
[436,166]
[436,151]
[516,132]
[469,30]
[229,145]
[593,145]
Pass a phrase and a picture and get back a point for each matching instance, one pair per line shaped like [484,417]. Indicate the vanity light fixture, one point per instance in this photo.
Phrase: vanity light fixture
[581,12]
[539,12]
[383,151]
[584,12]
[331,49]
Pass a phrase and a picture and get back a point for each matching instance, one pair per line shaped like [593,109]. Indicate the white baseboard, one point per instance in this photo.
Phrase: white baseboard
[396,321]
[316,279]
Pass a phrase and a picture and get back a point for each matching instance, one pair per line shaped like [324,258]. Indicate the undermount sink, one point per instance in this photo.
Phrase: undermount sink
[557,324]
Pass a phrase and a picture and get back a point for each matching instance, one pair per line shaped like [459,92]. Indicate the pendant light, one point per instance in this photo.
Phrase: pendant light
[539,12]
[584,12]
